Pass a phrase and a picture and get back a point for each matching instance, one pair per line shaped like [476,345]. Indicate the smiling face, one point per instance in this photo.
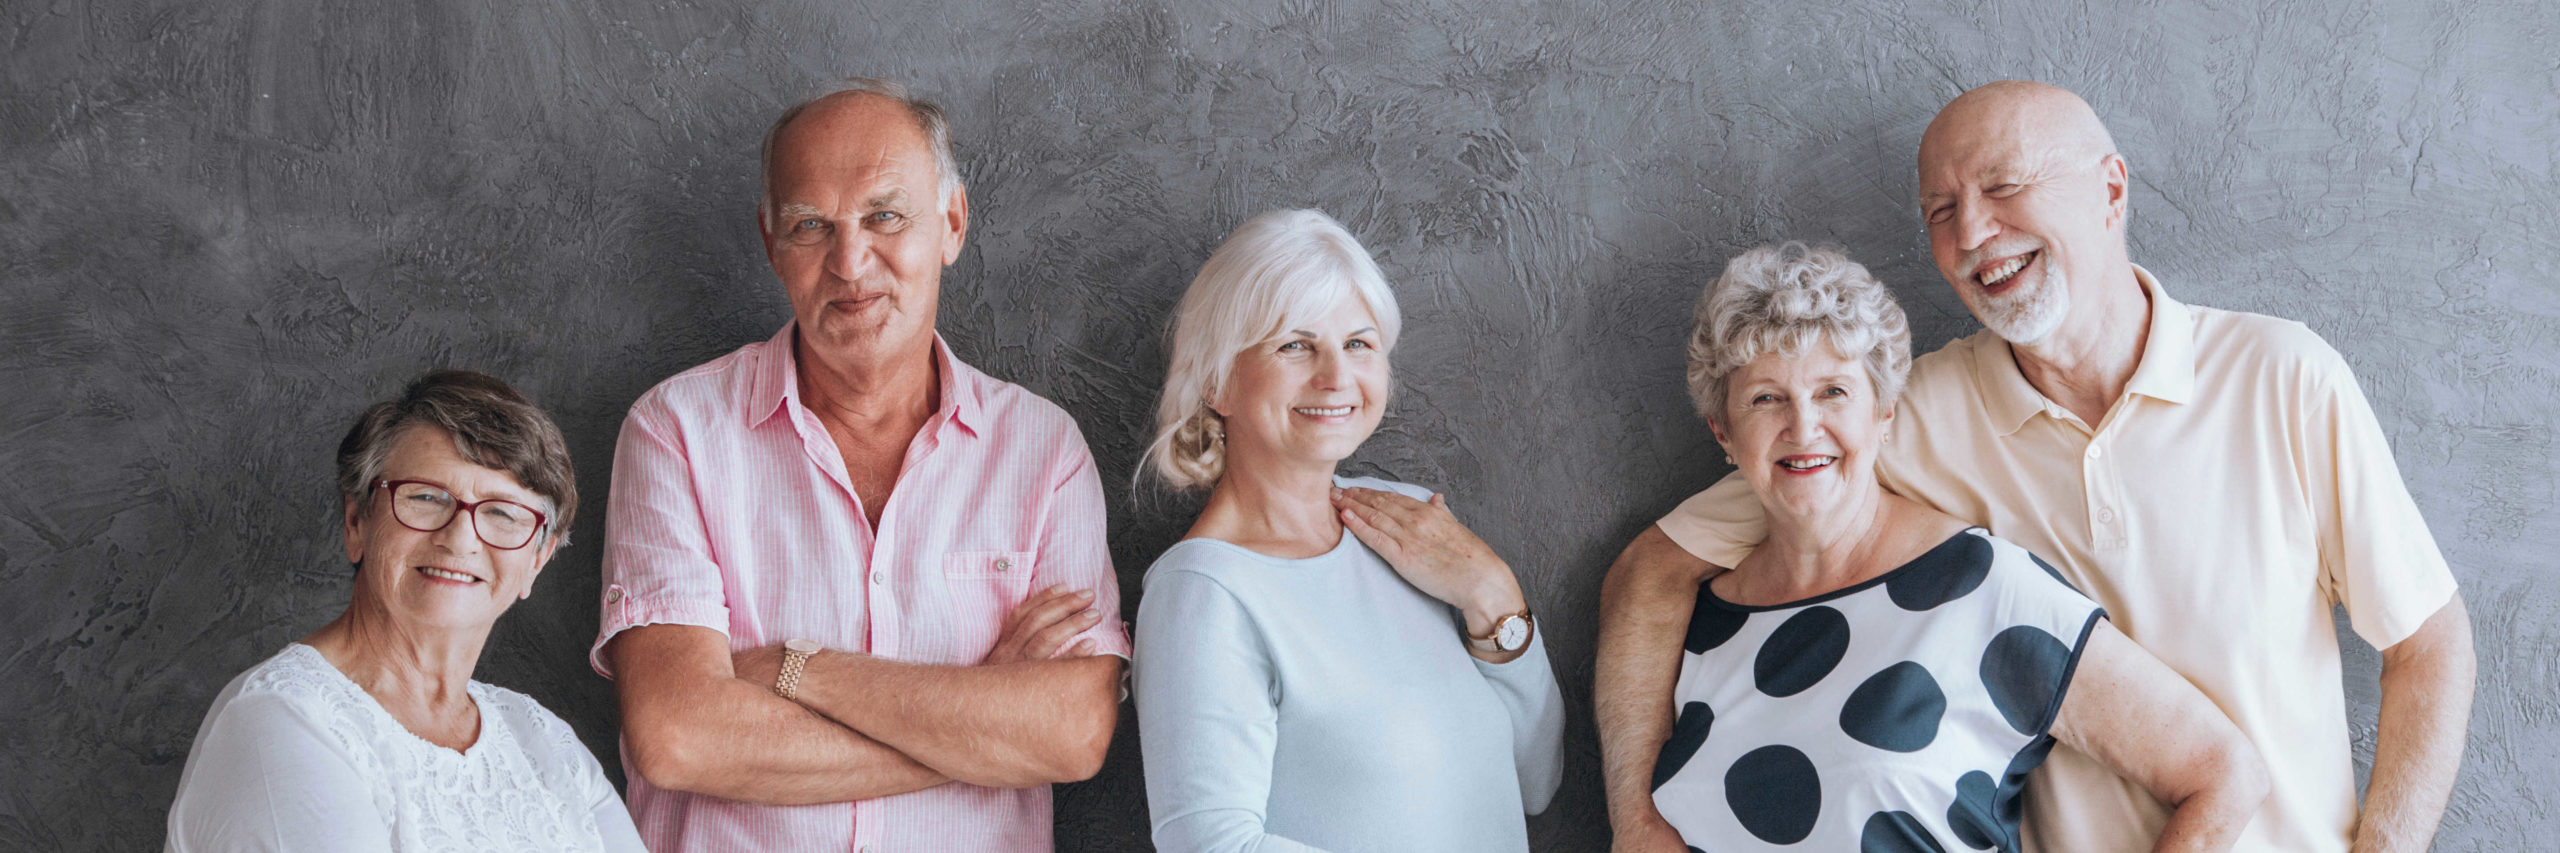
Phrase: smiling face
[447,579]
[1308,397]
[857,229]
[1804,430]
[2024,198]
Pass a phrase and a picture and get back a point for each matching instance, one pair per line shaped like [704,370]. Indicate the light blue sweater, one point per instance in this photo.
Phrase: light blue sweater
[1326,704]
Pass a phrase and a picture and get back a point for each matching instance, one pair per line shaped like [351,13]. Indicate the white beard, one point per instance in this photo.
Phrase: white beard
[2027,317]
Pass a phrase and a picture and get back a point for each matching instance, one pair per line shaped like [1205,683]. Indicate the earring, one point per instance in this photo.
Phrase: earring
[1728,459]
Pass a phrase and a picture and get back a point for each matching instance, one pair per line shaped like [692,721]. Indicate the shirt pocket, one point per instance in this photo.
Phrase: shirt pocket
[980,590]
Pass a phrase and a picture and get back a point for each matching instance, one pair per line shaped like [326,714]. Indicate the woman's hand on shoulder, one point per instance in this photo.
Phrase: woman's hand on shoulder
[1426,544]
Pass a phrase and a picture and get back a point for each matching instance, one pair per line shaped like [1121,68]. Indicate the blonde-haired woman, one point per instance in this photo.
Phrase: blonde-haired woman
[1323,662]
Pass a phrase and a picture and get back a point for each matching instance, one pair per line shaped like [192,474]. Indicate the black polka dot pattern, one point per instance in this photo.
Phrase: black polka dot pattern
[1896,832]
[1971,815]
[1897,709]
[1775,793]
[1948,572]
[1898,715]
[1804,649]
[1709,625]
[2056,573]
[2023,667]
[1687,733]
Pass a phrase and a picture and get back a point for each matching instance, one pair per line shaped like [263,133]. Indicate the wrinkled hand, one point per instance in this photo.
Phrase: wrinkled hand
[760,667]
[1042,624]
[1435,553]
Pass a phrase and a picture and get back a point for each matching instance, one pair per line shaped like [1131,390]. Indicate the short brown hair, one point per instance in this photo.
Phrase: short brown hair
[491,425]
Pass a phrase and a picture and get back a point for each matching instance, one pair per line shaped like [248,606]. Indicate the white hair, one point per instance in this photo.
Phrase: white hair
[1278,270]
[1783,298]
[928,117]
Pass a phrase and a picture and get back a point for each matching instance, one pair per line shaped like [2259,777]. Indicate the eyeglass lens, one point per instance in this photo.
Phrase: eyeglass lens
[501,524]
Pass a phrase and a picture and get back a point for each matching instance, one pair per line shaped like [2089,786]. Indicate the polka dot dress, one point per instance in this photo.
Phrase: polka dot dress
[1900,714]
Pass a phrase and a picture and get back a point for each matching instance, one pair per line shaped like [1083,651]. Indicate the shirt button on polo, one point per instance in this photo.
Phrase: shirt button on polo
[2094,452]
[2106,515]
[1004,565]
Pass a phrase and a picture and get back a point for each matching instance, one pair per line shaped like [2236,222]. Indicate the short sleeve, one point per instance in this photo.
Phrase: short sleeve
[604,805]
[657,547]
[2039,626]
[1075,549]
[265,775]
[1209,718]
[2377,557]
[1720,525]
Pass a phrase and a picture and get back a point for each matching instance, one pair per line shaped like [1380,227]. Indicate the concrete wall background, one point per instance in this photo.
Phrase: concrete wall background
[226,227]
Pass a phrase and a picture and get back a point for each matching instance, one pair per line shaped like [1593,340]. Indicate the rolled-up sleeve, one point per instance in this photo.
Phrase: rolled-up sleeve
[657,548]
[1075,550]
[1530,695]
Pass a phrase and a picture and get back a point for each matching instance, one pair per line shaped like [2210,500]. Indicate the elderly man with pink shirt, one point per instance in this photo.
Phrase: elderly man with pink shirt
[857,595]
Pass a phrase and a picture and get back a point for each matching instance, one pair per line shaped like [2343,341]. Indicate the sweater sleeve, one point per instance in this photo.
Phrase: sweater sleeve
[1527,686]
[1209,716]
[266,776]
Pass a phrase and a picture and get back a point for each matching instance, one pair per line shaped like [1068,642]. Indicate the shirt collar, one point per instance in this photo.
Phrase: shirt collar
[2167,371]
[776,382]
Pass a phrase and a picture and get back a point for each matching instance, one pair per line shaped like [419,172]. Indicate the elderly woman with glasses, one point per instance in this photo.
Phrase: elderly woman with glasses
[1879,675]
[1323,662]
[369,734]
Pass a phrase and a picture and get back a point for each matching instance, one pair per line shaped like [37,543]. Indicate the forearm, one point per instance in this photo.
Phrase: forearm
[2427,683]
[1006,725]
[739,741]
[692,727]
[2211,819]
[1645,603]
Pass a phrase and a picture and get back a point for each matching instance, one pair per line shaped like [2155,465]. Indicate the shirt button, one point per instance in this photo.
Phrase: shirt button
[879,577]
[2106,515]
[2094,452]
[1004,565]
[613,595]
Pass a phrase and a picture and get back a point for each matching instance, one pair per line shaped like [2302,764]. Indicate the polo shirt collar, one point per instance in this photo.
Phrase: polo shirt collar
[2168,369]
[776,382]
[2167,372]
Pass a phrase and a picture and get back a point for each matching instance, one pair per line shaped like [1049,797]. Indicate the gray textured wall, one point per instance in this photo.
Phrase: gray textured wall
[224,227]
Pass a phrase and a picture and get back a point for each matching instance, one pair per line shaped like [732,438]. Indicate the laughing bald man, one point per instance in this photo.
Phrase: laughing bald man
[2215,479]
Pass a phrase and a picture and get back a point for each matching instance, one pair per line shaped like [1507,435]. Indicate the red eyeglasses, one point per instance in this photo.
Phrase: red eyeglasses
[428,507]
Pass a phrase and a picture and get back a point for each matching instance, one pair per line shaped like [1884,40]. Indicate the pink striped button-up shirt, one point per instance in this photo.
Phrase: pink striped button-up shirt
[731,510]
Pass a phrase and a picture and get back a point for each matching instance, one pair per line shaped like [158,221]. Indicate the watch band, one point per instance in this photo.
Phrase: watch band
[795,657]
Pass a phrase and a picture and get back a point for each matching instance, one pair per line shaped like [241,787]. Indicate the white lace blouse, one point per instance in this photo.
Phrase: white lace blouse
[294,756]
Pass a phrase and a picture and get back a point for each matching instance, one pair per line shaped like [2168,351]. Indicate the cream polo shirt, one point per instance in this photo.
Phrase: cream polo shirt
[2237,491]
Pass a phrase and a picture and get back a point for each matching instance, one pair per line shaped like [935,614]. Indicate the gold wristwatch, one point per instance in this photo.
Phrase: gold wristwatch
[795,655]
[1510,634]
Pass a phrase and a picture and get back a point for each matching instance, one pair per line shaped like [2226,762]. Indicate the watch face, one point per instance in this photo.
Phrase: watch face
[1512,634]
[806,647]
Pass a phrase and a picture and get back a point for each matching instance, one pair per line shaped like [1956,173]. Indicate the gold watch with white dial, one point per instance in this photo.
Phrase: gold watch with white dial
[1510,634]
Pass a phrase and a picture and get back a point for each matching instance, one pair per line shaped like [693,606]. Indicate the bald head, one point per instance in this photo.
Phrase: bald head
[863,106]
[2028,118]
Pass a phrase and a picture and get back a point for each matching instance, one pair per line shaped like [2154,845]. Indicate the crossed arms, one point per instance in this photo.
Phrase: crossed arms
[699,719]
